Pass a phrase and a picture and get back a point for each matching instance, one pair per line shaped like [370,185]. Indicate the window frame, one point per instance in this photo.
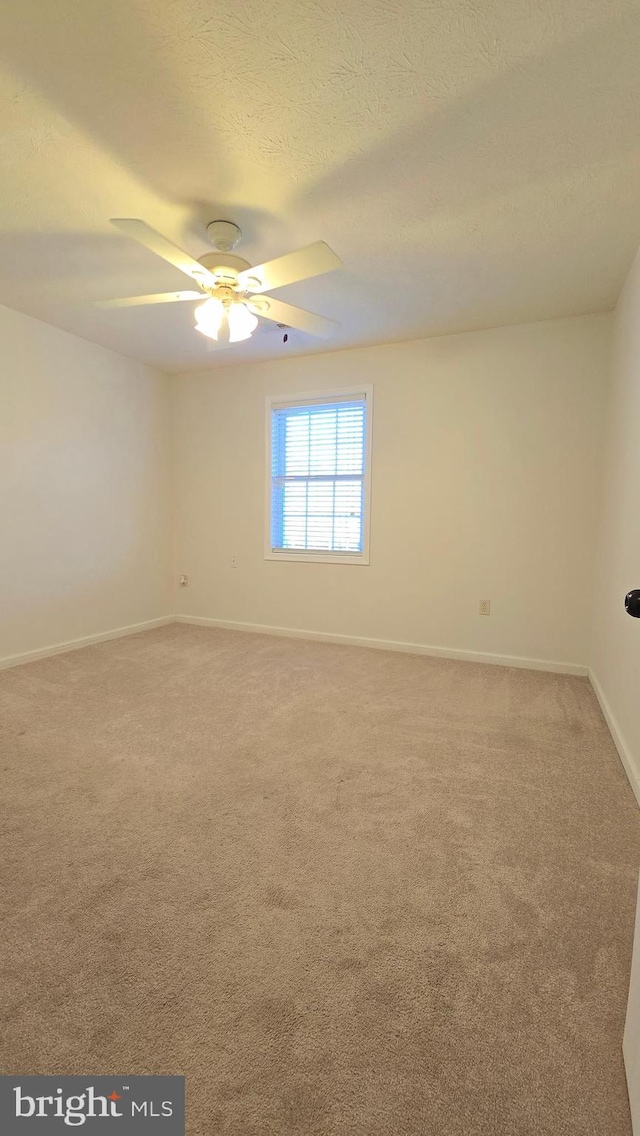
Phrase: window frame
[315,398]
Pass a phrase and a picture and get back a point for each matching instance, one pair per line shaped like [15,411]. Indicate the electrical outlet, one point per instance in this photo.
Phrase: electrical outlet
[485,607]
[183,581]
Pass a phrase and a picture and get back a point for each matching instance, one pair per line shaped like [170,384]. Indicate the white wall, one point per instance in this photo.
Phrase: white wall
[486,475]
[615,653]
[84,518]
[486,471]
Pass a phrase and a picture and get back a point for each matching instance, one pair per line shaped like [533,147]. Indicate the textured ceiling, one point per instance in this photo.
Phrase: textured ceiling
[473,162]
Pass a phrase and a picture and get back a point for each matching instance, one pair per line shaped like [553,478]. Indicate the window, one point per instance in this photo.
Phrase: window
[318,477]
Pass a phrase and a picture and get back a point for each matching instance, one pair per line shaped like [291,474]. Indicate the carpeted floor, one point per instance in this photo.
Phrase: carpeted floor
[343,891]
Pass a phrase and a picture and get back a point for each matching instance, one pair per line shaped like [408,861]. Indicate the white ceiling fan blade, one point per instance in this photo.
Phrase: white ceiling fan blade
[154,298]
[279,312]
[155,242]
[312,260]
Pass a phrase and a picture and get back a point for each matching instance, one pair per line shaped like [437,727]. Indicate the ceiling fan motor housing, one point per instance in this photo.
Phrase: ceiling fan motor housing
[225,267]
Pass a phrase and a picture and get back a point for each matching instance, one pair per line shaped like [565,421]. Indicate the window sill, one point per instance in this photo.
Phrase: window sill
[317,557]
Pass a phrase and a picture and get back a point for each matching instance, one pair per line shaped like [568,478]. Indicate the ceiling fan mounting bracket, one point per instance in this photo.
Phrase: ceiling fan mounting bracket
[224,235]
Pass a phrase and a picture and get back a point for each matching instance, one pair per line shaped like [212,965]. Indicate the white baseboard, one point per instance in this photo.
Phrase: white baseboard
[626,758]
[297,633]
[389,645]
[86,641]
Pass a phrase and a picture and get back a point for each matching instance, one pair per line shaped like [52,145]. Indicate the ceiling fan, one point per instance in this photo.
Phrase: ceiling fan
[232,290]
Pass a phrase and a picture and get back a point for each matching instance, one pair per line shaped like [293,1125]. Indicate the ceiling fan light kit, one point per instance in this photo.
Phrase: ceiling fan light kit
[209,317]
[230,314]
[217,316]
[242,322]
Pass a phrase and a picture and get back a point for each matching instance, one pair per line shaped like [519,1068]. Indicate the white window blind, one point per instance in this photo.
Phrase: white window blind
[318,455]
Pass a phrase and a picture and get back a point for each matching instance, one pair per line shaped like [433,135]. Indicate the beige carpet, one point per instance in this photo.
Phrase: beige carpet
[343,891]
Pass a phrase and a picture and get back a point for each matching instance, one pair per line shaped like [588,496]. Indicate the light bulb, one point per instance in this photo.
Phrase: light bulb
[209,317]
[241,322]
